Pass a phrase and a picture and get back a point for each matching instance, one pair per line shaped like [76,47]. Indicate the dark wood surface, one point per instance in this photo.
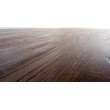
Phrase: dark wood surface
[54,55]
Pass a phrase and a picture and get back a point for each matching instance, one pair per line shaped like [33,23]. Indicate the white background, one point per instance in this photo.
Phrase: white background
[55,13]
[54,96]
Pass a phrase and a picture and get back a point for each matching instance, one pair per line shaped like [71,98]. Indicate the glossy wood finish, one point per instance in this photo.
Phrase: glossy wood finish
[54,55]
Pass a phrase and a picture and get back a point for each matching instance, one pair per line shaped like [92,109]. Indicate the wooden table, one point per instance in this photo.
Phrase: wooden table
[54,55]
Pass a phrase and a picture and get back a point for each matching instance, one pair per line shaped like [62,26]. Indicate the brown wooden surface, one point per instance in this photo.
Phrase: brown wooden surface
[54,55]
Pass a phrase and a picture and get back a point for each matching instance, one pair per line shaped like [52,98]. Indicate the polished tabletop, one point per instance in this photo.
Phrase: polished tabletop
[54,55]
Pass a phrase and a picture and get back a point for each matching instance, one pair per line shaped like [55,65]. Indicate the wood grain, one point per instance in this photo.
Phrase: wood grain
[54,55]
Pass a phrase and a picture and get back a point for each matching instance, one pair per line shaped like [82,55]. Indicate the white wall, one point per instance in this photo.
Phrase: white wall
[55,13]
